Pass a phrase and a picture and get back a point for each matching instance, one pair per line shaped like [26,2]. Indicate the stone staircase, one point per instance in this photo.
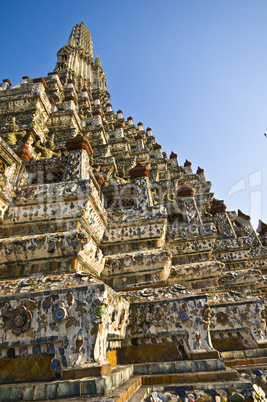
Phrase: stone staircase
[89,386]
[133,383]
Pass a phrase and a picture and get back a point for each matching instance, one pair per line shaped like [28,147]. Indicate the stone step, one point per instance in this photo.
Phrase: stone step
[182,366]
[204,376]
[239,358]
[245,362]
[251,367]
[243,354]
[143,391]
[66,388]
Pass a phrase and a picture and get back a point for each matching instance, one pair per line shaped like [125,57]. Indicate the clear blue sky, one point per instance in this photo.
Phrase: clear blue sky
[195,71]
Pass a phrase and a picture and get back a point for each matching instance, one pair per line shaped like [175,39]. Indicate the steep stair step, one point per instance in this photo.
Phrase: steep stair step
[245,362]
[56,390]
[244,357]
[251,367]
[204,376]
[181,366]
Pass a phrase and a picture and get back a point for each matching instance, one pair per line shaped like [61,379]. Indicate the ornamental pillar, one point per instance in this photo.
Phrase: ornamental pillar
[140,178]
[80,151]
[188,167]
[187,204]
[221,218]
[97,118]
[174,160]
[157,151]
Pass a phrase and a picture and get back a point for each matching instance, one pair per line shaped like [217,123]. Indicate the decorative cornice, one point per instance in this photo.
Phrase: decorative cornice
[8,81]
[185,191]
[157,146]
[41,80]
[242,219]
[217,207]
[24,153]
[97,113]
[139,137]
[79,142]
[262,228]
[71,98]
[119,125]
[139,171]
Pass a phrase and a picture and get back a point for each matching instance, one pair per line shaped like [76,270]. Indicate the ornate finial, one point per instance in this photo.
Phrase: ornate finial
[7,80]
[242,219]
[199,170]
[173,155]
[262,228]
[157,146]
[243,216]
[187,163]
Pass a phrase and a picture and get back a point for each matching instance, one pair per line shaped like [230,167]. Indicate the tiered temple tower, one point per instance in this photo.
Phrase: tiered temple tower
[117,264]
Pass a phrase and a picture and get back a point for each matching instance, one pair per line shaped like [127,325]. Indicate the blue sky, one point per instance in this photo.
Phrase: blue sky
[195,71]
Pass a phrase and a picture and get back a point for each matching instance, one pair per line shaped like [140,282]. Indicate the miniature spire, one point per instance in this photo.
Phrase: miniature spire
[97,61]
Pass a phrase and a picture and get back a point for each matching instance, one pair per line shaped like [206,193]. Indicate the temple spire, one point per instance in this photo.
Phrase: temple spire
[75,61]
[81,37]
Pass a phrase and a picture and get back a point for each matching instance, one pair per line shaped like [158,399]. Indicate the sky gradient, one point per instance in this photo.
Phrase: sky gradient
[195,71]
